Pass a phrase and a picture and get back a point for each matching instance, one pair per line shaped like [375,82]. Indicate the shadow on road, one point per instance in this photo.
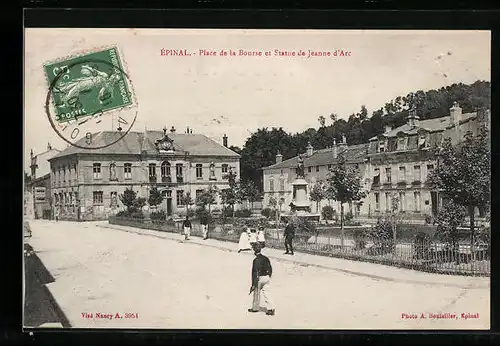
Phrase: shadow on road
[39,307]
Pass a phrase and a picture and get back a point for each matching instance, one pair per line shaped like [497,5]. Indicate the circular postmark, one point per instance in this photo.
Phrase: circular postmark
[86,93]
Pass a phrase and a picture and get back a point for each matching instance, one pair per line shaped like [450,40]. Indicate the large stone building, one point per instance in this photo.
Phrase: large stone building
[87,183]
[37,194]
[396,163]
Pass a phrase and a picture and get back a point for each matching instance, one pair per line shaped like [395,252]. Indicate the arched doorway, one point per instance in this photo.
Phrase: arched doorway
[167,200]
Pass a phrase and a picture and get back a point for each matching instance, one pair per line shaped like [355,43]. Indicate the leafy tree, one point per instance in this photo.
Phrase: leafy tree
[327,212]
[128,199]
[449,218]
[322,121]
[207,197]
[343,184]
[155,197]
[333,117]
[232,196]
[463,173]
[317,193]
[187,200]
[250,192]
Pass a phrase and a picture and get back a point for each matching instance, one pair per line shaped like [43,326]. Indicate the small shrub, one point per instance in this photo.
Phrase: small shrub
[421,246]
[381,236]
[348,217]
[227,212]
[429,220]
[359,236]
[137,215]
[122,213]
[158,215]
[243,213]
[268,212]
[327,212]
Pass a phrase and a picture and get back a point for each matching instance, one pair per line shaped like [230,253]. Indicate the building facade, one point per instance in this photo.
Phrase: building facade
[87,183]
[38,195]
[278,178]
[394,167]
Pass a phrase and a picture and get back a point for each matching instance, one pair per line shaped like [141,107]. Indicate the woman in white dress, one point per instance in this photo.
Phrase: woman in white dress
[244,243]
[261,239]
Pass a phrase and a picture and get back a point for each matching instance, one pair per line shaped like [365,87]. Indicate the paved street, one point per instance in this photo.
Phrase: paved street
[167,283]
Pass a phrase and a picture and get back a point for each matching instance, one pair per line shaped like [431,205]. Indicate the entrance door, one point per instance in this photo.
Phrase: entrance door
[434,203]
[167,195]
[169,206]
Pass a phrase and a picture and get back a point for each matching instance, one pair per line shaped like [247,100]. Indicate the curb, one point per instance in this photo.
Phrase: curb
[306,264]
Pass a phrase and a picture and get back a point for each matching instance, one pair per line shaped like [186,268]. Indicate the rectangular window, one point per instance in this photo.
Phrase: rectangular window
[376,176]
[64,174]
[97,170]
[180,198]
[402,201]
[282,184]
[199,171]
[329,167]
[381,147]
[114,199]
[387,201]
[152,170]
[388,178]
[317,168]
[127,171]
[416,197]
[430,168]
[402,174]
[98,197]
[224,168]
[271,185]
[309,169]
[178,172]
[198,193]
[416,173]
[377,201]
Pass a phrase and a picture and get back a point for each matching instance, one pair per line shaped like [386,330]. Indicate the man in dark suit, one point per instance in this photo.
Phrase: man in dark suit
[187,228]
[261,280]
[289,235]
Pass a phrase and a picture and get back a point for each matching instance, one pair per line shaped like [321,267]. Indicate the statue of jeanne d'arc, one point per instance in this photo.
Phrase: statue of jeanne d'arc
[300,167]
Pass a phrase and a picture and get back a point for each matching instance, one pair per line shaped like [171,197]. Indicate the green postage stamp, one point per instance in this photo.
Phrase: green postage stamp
[88,84]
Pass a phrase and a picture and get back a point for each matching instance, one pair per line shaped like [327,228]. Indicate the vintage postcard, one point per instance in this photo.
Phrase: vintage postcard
[257,179]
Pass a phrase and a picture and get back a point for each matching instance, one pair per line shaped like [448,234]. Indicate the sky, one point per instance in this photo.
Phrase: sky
[236,95]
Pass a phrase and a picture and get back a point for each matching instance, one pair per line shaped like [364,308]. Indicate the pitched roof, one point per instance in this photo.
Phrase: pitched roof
[137,142]
[431,125]
[42,161]
[353,153]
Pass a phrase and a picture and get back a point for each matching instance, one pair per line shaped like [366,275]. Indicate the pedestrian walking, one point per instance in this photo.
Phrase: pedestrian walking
[253,237]
[262,272]
[56,214]
[261,238]
[289,234]
[204,226]
[187,228]
[244,243]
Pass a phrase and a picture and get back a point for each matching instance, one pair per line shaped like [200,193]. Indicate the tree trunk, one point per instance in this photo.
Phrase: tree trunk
[394,234]
[342,225]
[471,219]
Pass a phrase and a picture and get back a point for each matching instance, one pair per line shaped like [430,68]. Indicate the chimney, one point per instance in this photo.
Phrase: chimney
[310,149]
[387,128]
[224,140]
[335,149]
[164,130]
[279,157]
[191,131]
[31,154]
[187,129]
[172,129]
[413,119]
[455,114]
[49,147]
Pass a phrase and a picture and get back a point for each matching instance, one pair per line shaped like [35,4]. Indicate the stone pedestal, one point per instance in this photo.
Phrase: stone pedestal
[300,200]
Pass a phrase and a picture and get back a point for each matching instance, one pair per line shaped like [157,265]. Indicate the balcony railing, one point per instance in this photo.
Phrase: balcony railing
[180,179]
[166,179]
[152,179]
[416,182]
[402,183]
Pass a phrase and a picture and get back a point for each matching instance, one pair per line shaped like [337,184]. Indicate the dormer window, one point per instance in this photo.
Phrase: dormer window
[401,143]
[381,146]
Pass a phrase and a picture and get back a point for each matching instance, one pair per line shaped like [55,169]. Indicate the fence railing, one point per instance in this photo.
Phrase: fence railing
[428,256]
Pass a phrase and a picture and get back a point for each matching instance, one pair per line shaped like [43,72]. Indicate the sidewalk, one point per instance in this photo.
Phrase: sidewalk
[355,268]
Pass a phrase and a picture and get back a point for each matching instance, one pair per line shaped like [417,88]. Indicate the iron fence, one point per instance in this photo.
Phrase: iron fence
[429,255]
